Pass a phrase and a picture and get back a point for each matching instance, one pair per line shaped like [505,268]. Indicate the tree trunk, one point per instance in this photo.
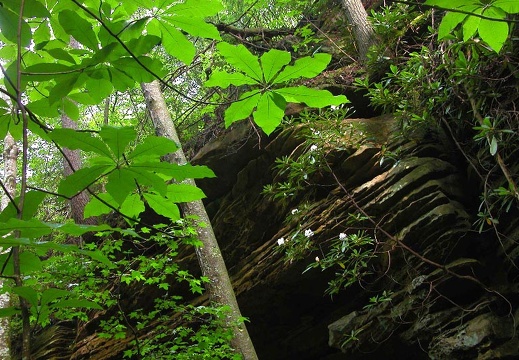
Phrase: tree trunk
[10,172]
[209,255]
[362,30]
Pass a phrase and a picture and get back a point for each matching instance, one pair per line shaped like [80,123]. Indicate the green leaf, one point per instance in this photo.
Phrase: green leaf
[120,184]
[75,303]
[493,146]
[194,26]
[223,79]
[242,108]
[197,8]
[307,67]
[184,193]
[9,27]
[149,179]
[28,293]
[79,28]
[175,171]
[81,179]
[509,6]
[494,33]
[46,71]
[51,294]
[28,228]
[118,138]
[242,59]
[176,44]
[311,97]
[153,146]
[272,62]
[136,71]
[32,8]
[270,112]
[470,26]
[10,311]
[32,201]
[99,89]
[74,139]
[71,109]
[163,206]
[132,206]
[95,207]
[449,22]
[99,256]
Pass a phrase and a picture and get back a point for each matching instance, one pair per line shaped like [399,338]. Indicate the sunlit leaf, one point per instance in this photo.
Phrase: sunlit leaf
[311,97]
[242,59]
[163,206]
[243,108]
[270,112]
[74,139]
[9,27]
[184,193]
[132,206]
[223,79]
[79,28]
[118,138]
[306,67]
[272,62]
[153,146]
[120,184]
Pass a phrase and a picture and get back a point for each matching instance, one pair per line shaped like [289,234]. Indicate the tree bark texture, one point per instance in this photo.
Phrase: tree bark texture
[10,171]
[362,29]
[209,255]
[72,162]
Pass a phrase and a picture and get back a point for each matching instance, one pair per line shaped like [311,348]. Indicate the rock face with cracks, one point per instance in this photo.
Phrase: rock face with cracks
[453,292]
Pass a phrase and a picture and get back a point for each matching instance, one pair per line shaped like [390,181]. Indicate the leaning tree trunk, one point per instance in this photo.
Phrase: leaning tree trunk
[209,255]
[362,29]
[9,181]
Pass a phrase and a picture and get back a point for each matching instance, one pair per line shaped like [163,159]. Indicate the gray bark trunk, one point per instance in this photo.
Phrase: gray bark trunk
[209,255]
[10,172]
[362,29]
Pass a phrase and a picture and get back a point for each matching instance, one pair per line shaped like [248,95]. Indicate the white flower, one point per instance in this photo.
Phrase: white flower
[294,211]
[281,241]
[333,107]
[309,233]
[313,147]
[342,236]
[317,259]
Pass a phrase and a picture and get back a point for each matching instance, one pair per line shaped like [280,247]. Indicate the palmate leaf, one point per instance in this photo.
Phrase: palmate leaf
[152,147]
[175,171]
[31,228]
[148,178]
[163,206]
[32,201]
[132,206]
[269,112]
[81,179]
[79,28]
[120,183]
[311,97]
[184,193]
[9,27]
[74,139]
[224,79]
[175,43]
[272,62]
[194,26]
[242,108]
[241,59]
[510,6]
[494,33]
[117,138]
[96,207]
[307,67]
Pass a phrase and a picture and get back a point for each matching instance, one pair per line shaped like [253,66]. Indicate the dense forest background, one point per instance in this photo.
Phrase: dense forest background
[354,159]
